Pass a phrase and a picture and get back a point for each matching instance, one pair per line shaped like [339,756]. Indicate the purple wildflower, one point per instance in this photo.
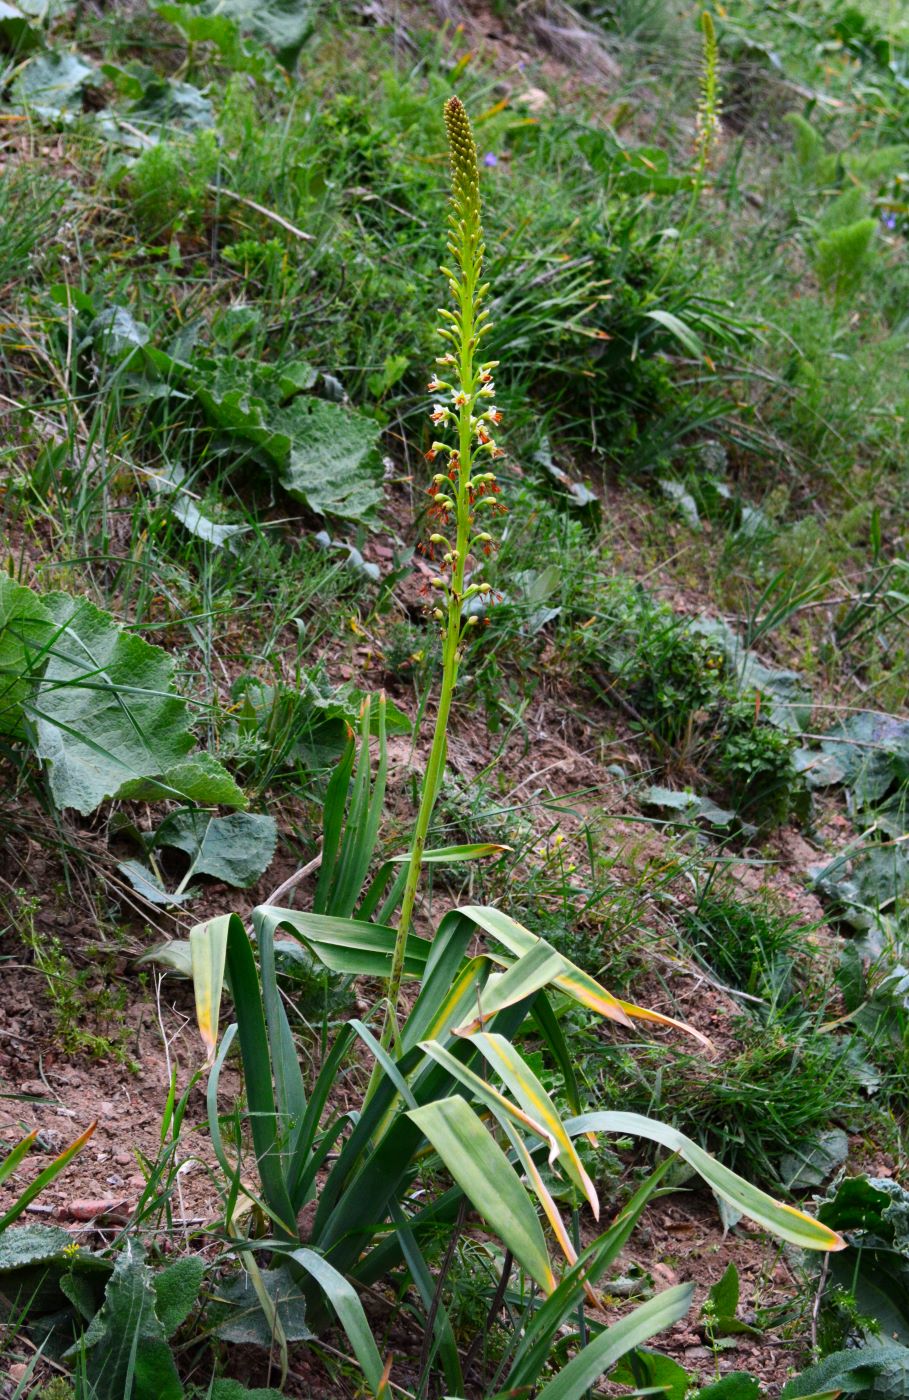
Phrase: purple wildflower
[490,158]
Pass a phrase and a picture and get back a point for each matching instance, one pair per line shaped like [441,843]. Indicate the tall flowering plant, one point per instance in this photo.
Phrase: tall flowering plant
[341,1178]
[466,492]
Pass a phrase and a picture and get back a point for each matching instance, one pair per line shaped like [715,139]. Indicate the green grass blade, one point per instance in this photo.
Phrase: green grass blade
[533,1347]
[333,824]
[44,1178]
[257,1070]
[12,1159]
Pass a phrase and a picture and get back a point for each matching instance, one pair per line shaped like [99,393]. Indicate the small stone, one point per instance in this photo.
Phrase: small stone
[534,99]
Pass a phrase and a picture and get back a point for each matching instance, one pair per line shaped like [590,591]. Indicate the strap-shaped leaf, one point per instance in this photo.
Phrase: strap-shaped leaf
[484,1174]
[441,1019]
[547,1201]
[516,1074]
[781,1220]
[240,965]
[654,1316]
[572,979]
[349,1311]
[535,969]
[502,1107]
[349,946]
[532,1350]
[208,954]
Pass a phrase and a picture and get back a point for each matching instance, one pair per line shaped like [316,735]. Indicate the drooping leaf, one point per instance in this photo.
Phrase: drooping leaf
[349,1311]
[784,1221]
[683,333]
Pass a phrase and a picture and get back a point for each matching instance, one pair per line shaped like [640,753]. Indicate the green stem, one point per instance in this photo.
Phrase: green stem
[432,777]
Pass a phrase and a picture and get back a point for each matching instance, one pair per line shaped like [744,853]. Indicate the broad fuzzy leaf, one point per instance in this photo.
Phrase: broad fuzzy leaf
[107,719]
[126,1350]
[334,466]
[235,849]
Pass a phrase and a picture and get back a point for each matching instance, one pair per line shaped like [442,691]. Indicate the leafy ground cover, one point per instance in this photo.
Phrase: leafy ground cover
[677,749]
